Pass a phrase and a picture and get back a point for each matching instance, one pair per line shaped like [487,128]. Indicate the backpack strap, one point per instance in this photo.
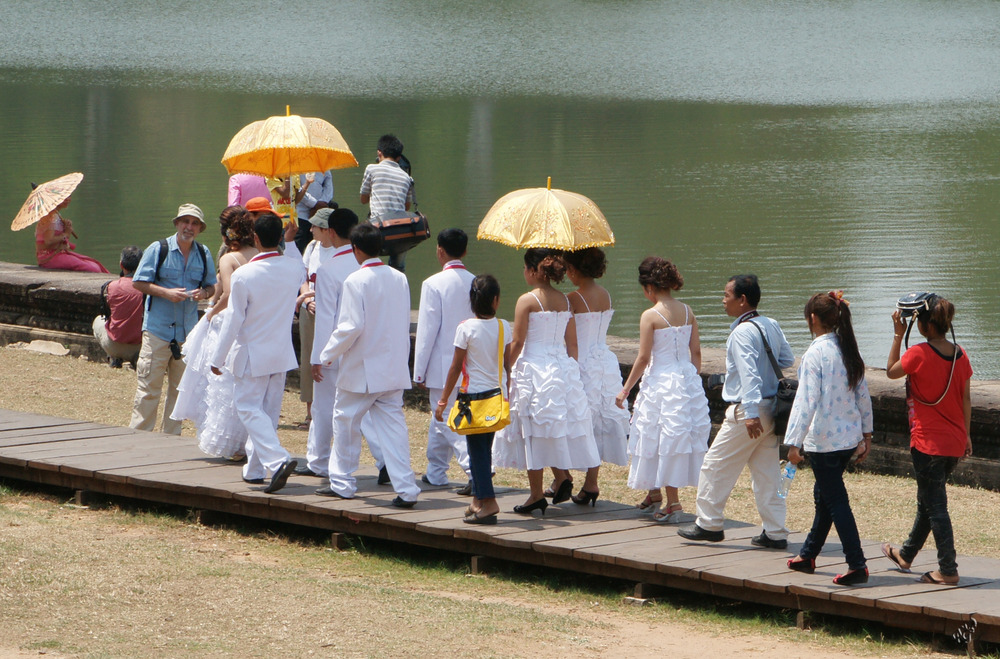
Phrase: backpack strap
[161,256]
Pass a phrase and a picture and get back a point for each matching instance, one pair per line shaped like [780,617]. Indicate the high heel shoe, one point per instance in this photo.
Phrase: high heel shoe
[585,497]
[670,515]
[564,492]
[649,504]
[527,509]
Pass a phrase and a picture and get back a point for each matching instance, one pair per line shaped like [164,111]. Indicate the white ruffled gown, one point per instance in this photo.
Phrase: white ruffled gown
[207,399]
[602,380]
[549,427]
[670,422]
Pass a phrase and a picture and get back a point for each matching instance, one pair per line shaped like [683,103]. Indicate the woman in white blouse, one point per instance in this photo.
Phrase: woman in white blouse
[831,422]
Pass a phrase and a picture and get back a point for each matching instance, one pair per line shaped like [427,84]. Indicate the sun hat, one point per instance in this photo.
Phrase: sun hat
[259,205]
[321,218]
[190,210]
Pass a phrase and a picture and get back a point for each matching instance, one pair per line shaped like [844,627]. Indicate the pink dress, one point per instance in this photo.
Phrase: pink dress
[61,258]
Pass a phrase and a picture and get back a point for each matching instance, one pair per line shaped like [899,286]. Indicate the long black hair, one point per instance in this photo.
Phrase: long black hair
[833,312]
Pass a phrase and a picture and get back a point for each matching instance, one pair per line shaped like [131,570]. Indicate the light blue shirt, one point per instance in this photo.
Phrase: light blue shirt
[749,376]
[827,414]
[321,189]
[164,319]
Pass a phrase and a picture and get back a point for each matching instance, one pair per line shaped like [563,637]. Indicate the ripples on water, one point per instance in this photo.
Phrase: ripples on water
[821,145]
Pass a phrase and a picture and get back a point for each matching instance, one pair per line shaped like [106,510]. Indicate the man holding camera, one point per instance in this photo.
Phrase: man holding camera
[174,278]
[746,437]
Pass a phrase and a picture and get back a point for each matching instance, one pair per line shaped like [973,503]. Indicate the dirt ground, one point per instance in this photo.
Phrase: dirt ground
[113,581]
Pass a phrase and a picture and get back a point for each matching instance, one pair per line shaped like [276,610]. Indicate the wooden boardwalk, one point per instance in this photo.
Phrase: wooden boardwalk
[611,540]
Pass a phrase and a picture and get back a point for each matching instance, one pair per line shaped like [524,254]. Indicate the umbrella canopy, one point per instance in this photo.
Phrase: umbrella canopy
[280,146]
[44,199]
[543,217]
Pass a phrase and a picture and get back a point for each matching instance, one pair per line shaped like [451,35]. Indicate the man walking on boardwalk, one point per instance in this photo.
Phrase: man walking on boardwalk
[261,308]
[747,433]
[372,341]
[174,277]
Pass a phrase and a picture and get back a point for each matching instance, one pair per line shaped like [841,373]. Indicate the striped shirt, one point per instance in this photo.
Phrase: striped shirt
[389,186]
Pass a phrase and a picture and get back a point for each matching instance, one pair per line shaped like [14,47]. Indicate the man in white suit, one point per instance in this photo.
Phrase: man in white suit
[330,279]
[444,303]
[372,341]
[261,308]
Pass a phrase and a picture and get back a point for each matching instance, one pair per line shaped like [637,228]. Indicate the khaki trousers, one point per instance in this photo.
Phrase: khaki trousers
[155,362]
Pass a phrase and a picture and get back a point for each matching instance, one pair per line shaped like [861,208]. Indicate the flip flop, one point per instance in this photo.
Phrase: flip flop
[889,552]
[928,577]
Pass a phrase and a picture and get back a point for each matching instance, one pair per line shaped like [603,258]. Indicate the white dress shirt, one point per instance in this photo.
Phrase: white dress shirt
[749,375]
[444,303]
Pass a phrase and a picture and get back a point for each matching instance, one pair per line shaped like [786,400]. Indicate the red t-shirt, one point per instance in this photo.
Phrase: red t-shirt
[938,429]
[125,324]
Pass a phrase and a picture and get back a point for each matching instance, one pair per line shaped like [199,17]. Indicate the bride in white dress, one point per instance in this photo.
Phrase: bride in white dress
[202,397]
[549,427]
[670,422]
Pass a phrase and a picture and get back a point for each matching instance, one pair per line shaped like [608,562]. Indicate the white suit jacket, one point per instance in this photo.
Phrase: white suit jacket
[372,339]
[259,323]
[444,303]
[329,284]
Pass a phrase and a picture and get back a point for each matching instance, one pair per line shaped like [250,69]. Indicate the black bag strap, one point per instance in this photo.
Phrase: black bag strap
[161,256]
[105,307]
[770,353]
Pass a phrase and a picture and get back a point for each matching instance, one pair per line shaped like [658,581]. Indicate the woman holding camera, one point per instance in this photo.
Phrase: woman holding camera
[831,420]
[940,411]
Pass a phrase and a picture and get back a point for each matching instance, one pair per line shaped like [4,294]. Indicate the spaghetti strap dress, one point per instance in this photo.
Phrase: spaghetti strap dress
[602,380]
[548,426]
[670,424]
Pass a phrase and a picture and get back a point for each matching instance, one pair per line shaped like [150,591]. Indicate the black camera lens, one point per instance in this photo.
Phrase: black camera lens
[175,349]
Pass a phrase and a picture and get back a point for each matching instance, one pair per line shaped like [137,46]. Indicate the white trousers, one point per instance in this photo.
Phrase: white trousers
[733,449]
[258,404]
[155,362]
[443,442]
[321,427]
[389,425]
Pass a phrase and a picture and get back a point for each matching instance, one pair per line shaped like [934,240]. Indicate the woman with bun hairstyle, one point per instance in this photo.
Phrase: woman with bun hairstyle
[940,409]
[831,421]
[549,427]
[599,368]
[670,423]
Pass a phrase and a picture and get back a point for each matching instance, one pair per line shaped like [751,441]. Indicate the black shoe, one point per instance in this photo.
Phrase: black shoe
[383,476]
[280,476]
[586,497]
[852,578]
[465,490]
[329,492]
[695,532]
[424,479]
[527,509]
[254,481]
[304,470]
[115,362]
[804,565]
[400,502]
[474,518]
[564,491]
[767,543]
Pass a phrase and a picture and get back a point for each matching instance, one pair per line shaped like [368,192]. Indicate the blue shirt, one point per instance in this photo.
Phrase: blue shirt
[321,189]
[827,414]
[164,319]
[749,376]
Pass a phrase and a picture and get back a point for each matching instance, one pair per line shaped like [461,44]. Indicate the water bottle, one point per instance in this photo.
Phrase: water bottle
[785,480]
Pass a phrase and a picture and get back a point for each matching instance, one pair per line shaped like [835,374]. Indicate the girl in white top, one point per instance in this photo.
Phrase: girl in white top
[478,361]
[670,423]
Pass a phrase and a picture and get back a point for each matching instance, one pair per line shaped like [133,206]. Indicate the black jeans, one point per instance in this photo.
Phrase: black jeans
[932,511]
[833,508]
[481,464]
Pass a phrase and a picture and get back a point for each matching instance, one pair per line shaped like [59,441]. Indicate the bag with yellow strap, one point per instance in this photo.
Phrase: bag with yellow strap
[483,412]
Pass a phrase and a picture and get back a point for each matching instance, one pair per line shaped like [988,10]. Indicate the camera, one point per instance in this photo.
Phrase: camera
[915,303]
[175,349]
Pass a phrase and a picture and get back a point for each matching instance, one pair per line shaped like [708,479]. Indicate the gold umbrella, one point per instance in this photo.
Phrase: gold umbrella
[543,217]
[44,199]
[281,146]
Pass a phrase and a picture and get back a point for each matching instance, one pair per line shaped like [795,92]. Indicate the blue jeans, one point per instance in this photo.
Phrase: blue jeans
[833,508]
[481,464]
[932,473]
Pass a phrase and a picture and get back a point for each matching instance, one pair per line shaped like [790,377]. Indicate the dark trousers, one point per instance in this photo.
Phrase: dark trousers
[481,464]
[932,511]
[833,508]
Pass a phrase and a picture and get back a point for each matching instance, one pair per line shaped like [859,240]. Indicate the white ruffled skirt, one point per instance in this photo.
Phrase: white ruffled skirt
[550,424]
[602,380]
[670,429]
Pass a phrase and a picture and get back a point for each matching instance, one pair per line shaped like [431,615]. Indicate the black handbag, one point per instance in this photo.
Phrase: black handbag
[401,231]
[787,388]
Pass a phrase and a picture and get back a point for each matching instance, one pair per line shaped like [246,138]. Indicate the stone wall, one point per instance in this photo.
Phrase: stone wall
[60,306]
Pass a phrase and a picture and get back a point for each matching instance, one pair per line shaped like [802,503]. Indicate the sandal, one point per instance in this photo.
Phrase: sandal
[928,577]
[305,424]
[893,555]
[671,516]
[648,505]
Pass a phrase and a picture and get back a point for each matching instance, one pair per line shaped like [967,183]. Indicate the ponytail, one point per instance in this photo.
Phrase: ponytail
[834,312]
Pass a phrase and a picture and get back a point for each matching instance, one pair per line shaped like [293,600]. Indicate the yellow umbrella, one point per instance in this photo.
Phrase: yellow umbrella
[44,199]
[281,146]
[543,217]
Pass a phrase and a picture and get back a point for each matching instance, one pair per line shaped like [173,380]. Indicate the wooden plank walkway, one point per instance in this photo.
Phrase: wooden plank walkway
[610,539]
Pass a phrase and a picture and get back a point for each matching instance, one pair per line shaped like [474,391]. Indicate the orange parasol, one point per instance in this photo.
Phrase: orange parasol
[44,199]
